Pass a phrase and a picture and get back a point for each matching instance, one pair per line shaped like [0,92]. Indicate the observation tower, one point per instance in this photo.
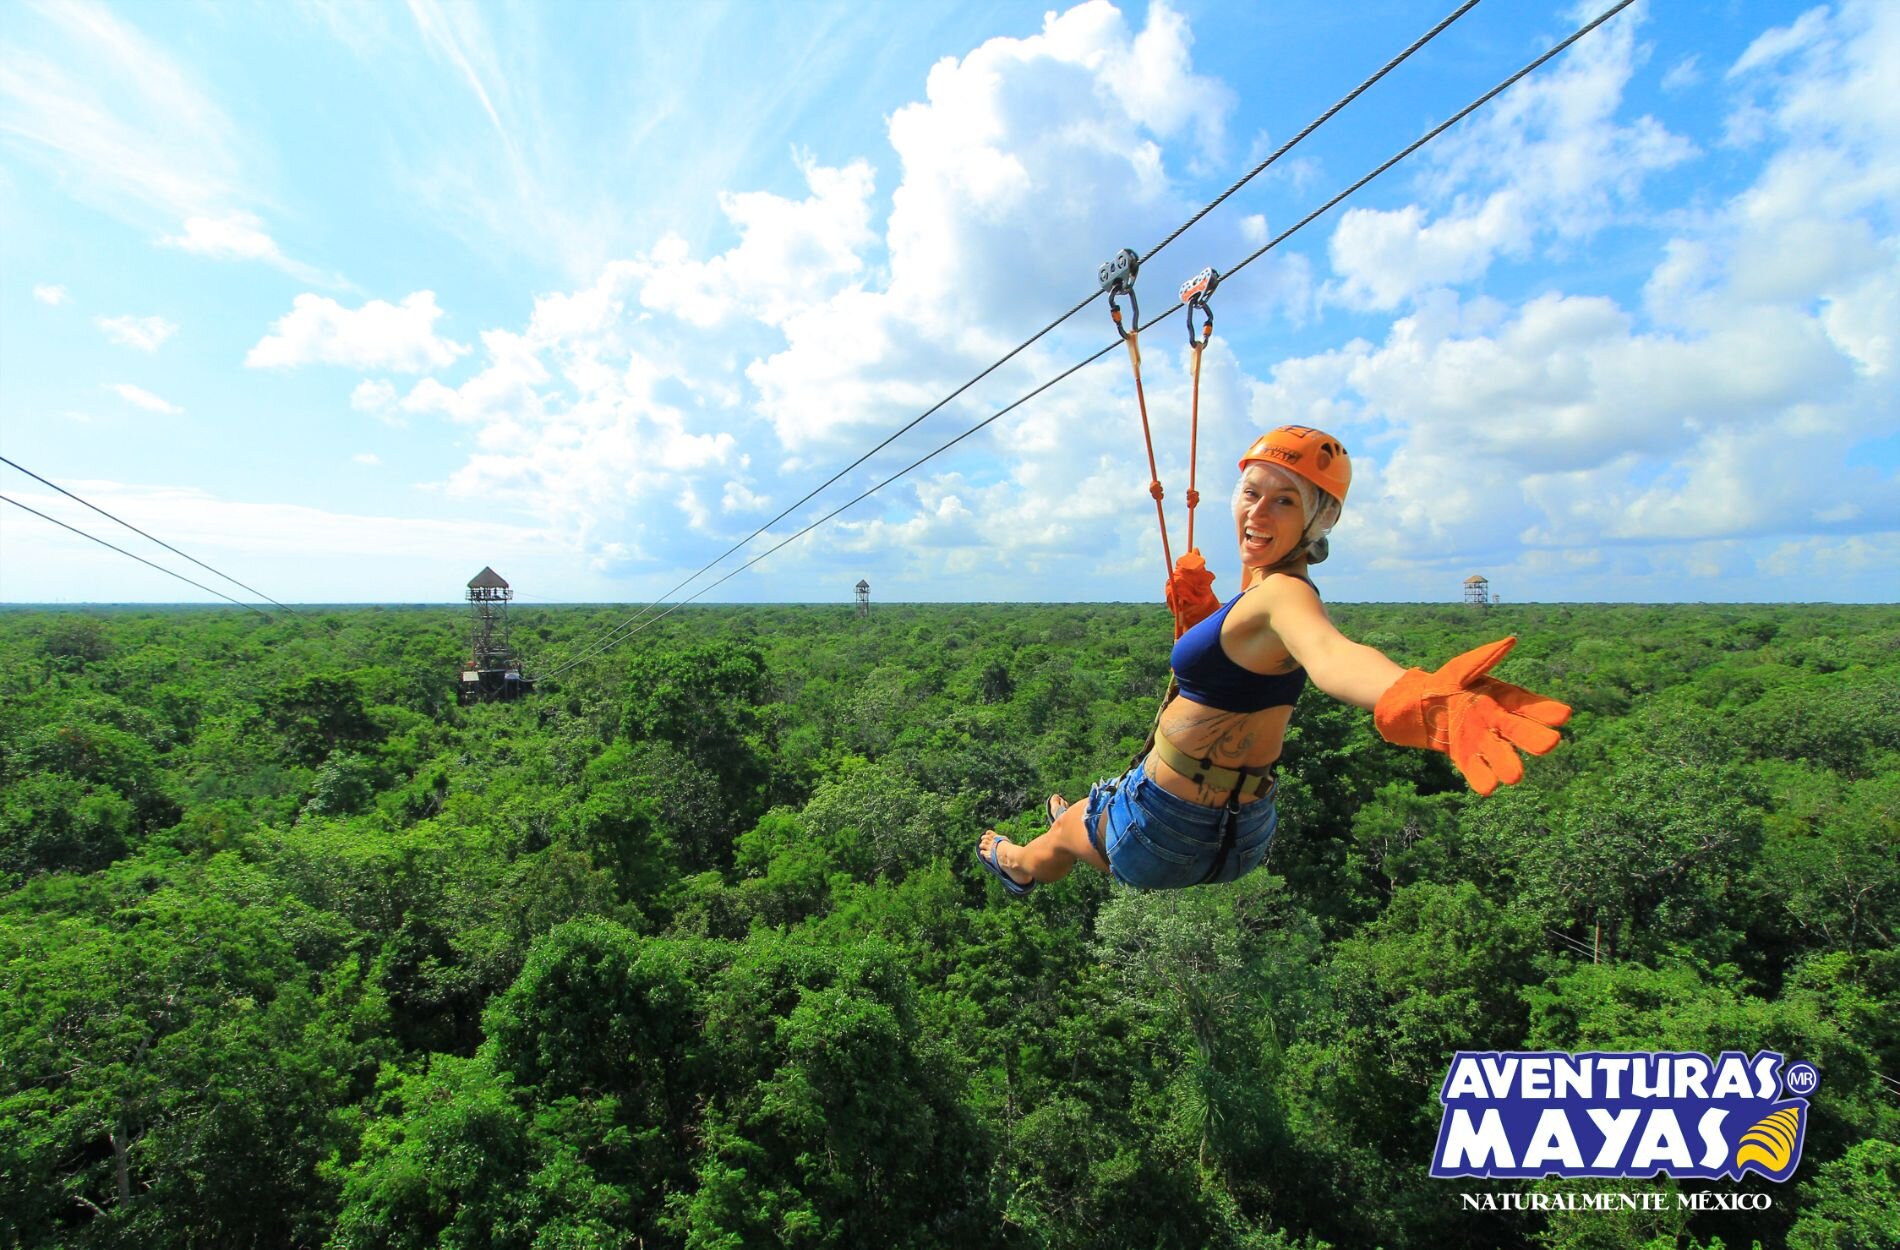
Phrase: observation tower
[491,671]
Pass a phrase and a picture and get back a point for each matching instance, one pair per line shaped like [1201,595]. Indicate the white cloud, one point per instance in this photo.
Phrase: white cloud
[1780,42]
[502,392]
[1862,314]
[459,36]
[398,338]
[1566,425]
[1878,554]
[493,176]
[143,333]
[696,514]
[372,395]
[1684,74]
[735,496]
[241,236]
[790,252]
[1547,161]
[366,457]
[139,397]
[1641,443]
[120,119]
[129,129]
[1389,256]
[238,236]
[51,294]
[1013,146]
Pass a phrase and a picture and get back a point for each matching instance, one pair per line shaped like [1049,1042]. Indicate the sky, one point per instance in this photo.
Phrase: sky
[348,301]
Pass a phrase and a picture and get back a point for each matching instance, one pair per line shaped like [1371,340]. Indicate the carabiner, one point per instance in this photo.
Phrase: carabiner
[1118,278]
[1194,293]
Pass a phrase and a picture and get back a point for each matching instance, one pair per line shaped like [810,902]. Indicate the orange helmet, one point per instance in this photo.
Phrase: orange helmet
[1312,454]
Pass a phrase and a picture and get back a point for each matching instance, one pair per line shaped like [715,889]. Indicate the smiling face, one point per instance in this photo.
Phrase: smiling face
[1269,515]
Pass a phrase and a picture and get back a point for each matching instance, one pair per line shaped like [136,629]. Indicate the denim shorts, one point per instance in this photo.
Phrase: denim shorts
[1154,840]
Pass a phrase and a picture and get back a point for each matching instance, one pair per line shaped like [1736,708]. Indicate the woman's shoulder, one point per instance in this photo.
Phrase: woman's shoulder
[1275,590]
[1275,597]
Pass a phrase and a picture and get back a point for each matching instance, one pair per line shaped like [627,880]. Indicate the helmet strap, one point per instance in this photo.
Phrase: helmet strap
[1299,551]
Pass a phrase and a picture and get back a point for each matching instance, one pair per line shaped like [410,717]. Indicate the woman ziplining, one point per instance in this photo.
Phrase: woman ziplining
[1196,806]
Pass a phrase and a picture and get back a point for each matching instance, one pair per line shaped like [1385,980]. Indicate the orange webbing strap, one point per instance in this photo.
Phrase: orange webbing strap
[1194,439]
[1132,338]
[1194,293]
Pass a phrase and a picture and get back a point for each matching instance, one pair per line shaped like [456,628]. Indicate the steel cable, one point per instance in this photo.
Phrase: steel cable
[142,534]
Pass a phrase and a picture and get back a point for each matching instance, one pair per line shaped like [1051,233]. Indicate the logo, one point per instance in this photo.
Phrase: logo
[1622,1114]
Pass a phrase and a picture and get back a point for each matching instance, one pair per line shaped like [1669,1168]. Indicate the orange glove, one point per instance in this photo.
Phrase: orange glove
[1191,592]
[1477,720]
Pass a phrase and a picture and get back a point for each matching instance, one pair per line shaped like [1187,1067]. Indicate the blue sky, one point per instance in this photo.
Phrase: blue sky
[351,300]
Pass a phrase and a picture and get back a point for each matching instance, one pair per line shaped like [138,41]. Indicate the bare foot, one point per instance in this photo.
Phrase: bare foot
[1007,855]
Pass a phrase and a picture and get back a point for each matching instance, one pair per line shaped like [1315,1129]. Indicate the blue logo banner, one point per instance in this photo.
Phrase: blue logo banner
[1622,1114]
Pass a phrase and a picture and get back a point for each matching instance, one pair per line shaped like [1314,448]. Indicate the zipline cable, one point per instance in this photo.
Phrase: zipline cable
[1272,243]
[1437,130]
[1576,946]
[1316,123]
[141,559]
[1076,367]
[359,656]
[1279,152]
[141,533]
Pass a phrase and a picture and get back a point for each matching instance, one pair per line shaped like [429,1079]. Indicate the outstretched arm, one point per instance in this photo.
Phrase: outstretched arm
[1349,671]
[1480,722]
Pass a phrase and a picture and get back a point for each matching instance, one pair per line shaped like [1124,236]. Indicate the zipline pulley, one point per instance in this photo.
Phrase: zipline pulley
[1118,278]
[1194,293]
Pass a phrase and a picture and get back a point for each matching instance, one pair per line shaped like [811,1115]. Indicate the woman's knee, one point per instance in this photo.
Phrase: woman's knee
[1072,833]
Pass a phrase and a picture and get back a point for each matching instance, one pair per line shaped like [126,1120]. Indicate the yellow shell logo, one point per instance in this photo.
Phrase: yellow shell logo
[1771,1142]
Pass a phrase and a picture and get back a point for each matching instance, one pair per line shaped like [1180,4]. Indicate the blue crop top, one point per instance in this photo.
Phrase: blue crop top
[1207,675]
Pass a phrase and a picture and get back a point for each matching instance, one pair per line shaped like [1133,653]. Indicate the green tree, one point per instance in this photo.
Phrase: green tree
[443,1165]
[1852,1202]
[843,1124]
[705,700]
[319,713]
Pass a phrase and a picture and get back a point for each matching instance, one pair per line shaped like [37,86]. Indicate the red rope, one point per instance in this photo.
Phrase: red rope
[1131,337]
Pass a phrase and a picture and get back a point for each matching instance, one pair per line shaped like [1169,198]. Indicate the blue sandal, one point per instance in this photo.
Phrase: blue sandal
[1016,888]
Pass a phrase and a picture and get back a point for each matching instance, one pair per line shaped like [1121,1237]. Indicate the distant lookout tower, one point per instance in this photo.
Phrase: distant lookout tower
[1477,591]
[864,597]
[491,671]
